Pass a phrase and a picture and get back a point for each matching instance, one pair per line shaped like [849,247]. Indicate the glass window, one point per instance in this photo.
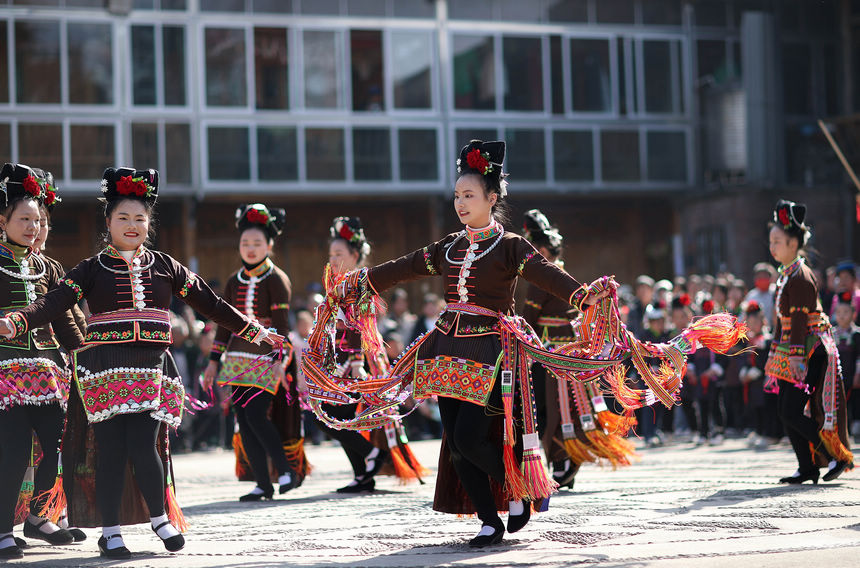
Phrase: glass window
[222,5]
[92,148]
[277,153]
[556,75]
[371,149]
[324,149]
[225,67]
[832,92]
[37,62]
[85,4]
[614,11]
[174,65]
[525,154]
[367,75]
[662,12]
[143,65]
[659,90]
[272,6]
[270,63]
[711,59]
[519,11]
[573,155]
[419,159]
[619,151]
[567,10]
[177,146]
[590,76]
[90,64]
[228,153]
[411,60]
[414,9]
[621,47]
[4,64]
[321,69]
[797,78]
[710,12]
[179,4]
[809,160]
[35,2]
[144,145]
[366,7]
[321,7]
[471,10]
[465,135]
[667,156]
[5,139]
[522,65]
[742,6]
[474,73]
[42,144]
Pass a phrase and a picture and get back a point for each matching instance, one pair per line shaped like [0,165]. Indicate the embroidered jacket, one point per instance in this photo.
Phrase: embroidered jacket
[798,307]
[263,294]
[77,313]
[14,296]
[549,315]
[131,306]
[488,280]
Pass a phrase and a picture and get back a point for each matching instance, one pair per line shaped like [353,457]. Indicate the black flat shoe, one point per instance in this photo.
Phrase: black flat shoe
[811,475]
[516,522]
[119,553]
[565,476]
[294,482]
[77,534]
[21,542]
[61,536]
[837,470]
[360,487]
[173,543]
[250,497]
[481,541]
[13,550]
[378,462]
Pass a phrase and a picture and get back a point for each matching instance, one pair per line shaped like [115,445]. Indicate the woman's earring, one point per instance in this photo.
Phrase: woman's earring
[3,236]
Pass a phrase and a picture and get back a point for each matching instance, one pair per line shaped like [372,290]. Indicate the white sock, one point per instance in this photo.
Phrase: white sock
[370,460]
[515,508]
[487,530]
[47,528]
[832,464]
[167,530]
[4,537]
[113,537]
[353,483]
[285,479]
[796,473]
[63,523]
[257,491]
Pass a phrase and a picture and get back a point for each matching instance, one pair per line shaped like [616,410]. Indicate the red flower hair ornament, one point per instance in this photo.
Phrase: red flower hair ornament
[708,306]
[32,186]
[480,161]
[257,217]
[784,217]
[137,187]
[685,300]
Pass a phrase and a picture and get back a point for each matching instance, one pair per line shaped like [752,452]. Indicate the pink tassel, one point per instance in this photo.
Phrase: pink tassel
[537,483]
[174,511]
[717,332]
[515,483]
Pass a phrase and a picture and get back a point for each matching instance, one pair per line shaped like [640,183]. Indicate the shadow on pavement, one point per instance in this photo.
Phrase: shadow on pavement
[284,500]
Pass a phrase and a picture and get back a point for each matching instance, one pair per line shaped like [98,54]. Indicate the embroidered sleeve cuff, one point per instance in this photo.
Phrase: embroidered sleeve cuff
[217,350]
[282,306]
[578,297]
[796,351]
[253,333]
[74,286]
[19,322]
[533,304]
[189,282]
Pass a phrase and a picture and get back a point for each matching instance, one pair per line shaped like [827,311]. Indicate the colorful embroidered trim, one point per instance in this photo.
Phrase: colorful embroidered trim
[189,282]
[251,333]
[427,262]
[123,390]
[578,297]
[74,286]
[171,402]
[529,255]
[34,381]
[454,377]
[19,322]
[149,315]
[534,304]
[240,369]
[796,350]
[282,306]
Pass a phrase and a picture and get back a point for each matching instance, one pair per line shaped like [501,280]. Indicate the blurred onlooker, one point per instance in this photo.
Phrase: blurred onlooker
[663,290]
[430,310]
[720,295]
[299,339]
[846,281]
[827,289]
[656,419]
[737,292]
[211,427]
[764,282]
[694,286]
[847,336]
[398,319]
[186,355]
[644,291]
[761,407]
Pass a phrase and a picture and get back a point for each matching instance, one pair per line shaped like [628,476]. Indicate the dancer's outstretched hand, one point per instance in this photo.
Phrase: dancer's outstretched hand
[600,289]
[274,339]
[209,374]
[6,329]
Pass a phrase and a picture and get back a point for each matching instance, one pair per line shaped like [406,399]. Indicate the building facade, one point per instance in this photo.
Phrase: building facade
[629,121]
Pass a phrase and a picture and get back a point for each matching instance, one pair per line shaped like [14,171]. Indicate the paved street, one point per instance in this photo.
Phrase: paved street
[679,506]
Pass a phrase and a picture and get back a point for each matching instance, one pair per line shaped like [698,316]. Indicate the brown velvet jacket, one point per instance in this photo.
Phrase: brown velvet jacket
[491,280]
[13,296]
[798,299]
[109,291]
[540,306]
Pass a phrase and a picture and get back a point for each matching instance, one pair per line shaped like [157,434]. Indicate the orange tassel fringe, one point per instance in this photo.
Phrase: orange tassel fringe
[615,424]
[295,454]
[55,501]
[615,449]
[241,457]
[835,447]
[174,511]
[22,507]
[717,332]
[401,457]
[538,485]
[515,483]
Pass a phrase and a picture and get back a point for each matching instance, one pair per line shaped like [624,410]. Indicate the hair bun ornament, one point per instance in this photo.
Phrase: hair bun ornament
[20,181]
[790,215]
[708,306]
[753,307]
[270,221]
[682,301]
[538,230]
[350,230]
[846,298]
[129,183]
[50,195]
[485,159]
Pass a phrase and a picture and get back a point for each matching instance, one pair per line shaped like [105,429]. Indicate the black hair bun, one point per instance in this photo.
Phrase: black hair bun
[350,230]
[257,215]
[18,181]
[538,230]
[129,183]
[485,159]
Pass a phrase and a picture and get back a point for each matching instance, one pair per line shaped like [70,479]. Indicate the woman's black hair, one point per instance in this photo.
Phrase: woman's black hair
[485,160]
[350,231]
[538,230]
[790,217]
[19,183]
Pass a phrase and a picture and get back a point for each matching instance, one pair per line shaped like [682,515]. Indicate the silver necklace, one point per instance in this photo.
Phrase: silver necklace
[471,256]
[136,268]
[28,279]
[252,279]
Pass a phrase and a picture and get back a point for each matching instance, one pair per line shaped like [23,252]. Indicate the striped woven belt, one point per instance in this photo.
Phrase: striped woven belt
[153,315]
[814,323]
[471,309]
[546,321]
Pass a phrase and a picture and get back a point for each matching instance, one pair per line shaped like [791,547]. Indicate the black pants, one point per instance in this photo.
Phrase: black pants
[17,425]
[124,437]
[259,435]
[354,444]
[474,455]
[801,429]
